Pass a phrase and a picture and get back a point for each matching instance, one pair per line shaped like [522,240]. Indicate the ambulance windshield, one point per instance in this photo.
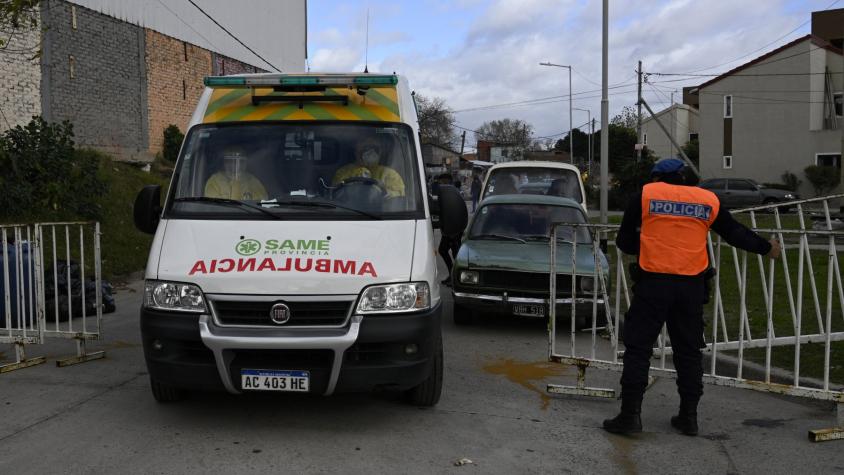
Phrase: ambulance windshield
[297,171]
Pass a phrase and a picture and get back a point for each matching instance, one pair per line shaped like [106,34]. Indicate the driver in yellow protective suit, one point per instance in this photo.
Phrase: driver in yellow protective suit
[233,181]
[366,165]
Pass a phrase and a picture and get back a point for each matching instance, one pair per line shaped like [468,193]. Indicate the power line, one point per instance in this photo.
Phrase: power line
[233,36]
[541,100]
[188,24]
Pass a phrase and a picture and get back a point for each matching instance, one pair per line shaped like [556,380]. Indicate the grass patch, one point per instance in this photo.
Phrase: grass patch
[124,248]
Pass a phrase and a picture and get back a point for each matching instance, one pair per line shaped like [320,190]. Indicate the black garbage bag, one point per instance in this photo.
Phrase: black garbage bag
[56,292]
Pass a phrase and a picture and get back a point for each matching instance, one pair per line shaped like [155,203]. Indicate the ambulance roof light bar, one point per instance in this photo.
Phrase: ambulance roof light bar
[283,80]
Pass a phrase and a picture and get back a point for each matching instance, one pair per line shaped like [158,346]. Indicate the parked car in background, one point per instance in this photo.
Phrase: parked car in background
[504,261]
[744,192]
[535,178]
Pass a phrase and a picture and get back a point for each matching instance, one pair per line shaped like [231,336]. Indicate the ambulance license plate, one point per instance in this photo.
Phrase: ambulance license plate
[529,310]
[272,380]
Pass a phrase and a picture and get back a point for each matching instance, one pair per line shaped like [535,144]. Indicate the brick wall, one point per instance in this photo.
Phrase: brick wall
[175,71]
[20,76]
[94,76]
[225,66]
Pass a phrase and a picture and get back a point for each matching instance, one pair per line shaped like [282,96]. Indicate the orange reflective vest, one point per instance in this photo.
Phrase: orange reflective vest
[675,223]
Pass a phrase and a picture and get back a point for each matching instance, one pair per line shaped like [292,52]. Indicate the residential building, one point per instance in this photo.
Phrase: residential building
[506,153]
[439,159]
[121,72]
[681,120]
[780,112]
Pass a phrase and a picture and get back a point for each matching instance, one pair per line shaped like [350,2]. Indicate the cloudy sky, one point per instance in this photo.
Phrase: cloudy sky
[481,53]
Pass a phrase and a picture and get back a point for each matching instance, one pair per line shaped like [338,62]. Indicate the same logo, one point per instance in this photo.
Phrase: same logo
[248,247]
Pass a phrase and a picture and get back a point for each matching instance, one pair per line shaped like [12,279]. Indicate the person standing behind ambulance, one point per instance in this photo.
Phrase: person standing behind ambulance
[476,191]
[666,225]
[233,181]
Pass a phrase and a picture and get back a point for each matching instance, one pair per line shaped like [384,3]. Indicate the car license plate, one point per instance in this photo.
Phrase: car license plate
[529,310]
[272,380]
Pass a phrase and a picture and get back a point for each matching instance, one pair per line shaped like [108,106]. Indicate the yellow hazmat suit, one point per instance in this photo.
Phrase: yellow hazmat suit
[390,178]
[245,187]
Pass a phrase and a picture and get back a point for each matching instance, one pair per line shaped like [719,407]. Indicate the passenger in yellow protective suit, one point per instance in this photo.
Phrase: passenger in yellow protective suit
[233,181]
[366,165]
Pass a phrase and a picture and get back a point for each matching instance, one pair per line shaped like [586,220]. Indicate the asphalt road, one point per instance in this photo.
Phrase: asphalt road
[99,417]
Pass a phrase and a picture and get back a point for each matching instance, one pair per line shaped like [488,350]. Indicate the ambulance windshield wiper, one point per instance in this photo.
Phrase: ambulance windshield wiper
[318,204]
[498,236]
[226,201]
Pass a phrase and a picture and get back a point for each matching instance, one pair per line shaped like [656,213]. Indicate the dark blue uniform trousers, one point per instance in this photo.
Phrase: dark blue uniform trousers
[678,302]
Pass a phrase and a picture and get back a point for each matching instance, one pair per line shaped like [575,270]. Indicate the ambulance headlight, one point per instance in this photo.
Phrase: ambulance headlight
[395,298]
[173,296]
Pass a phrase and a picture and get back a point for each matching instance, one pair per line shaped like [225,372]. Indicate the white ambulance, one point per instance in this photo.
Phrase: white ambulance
[294,250]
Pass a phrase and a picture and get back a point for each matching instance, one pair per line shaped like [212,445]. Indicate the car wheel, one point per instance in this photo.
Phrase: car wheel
[427,394]
[165,393]
[462,315]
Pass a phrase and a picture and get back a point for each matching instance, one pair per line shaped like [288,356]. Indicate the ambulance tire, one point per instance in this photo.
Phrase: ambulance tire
[165,393]
[427,394]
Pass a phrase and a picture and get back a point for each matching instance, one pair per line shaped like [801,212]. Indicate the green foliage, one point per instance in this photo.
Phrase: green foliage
[506,132]
[692,150]
[41,170]
[622,151]
[792,183]
[629,179]
[627,118]
[823,179]
[18,16]
[173,138]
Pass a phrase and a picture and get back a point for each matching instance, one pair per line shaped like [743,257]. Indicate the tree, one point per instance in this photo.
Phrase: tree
[17,16]
[436,121]
[581,144]
[692,150]
[627,118]
[506,132]
[823,179]
[622,142]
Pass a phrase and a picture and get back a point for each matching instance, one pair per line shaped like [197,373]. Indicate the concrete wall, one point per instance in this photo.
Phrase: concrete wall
[94,76]
[775,126]
[680,120]
[175,70]
[20,75]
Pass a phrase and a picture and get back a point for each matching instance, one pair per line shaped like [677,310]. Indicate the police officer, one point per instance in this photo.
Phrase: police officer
[666,226]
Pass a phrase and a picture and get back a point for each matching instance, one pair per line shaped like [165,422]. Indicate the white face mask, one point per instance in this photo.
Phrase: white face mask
[370,158]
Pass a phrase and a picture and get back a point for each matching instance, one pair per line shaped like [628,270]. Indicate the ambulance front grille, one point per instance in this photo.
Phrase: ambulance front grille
[316,313]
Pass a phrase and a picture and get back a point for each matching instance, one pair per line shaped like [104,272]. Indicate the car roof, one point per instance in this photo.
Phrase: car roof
[531,200]
[535,164]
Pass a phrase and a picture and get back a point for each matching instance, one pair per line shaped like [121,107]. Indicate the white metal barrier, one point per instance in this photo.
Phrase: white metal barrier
[20,322]
[774,295]
[52,287]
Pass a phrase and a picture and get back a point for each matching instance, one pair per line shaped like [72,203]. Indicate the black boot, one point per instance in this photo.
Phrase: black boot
[629,421]
[686,420]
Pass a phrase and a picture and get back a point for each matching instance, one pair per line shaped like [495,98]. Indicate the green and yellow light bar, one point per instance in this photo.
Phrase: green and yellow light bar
[277,80]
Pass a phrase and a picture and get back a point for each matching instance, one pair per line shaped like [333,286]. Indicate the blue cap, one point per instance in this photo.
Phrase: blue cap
[667,165]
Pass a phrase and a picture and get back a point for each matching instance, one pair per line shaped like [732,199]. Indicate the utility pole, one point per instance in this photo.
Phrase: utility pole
[462,144]
[673,122]
[605,112]
[639,115]
[591,134]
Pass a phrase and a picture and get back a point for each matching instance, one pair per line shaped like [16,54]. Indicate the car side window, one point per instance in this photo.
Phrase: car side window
[716,184]
[741,185]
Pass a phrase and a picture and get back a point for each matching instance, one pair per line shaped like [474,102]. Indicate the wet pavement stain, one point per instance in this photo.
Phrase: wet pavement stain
[764,423]
[623,453]
[120,344]
[526,374]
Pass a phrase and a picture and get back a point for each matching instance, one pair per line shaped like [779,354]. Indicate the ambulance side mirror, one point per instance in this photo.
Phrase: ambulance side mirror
[453,213]
[147,210]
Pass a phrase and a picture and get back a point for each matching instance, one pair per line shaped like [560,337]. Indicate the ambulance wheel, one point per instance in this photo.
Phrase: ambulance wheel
[462,316]
[427,394]
[165,393]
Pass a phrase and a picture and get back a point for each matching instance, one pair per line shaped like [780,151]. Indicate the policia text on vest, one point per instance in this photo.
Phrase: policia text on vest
[667,226]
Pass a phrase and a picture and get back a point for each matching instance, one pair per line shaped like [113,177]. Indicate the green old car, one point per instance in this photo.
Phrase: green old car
[504,261]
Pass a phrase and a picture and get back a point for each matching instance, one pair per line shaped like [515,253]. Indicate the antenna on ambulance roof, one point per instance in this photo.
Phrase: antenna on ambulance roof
[366,48]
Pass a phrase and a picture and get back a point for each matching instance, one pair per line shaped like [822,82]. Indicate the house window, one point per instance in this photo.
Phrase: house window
[838,102]
[644,141]
[185,44]
[693,136]
[828,160]
[728,107]
[73,16]
[71,61]
[728,161]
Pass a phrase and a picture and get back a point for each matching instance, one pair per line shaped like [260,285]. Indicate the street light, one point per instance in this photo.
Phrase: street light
[589,122]
[571,137]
